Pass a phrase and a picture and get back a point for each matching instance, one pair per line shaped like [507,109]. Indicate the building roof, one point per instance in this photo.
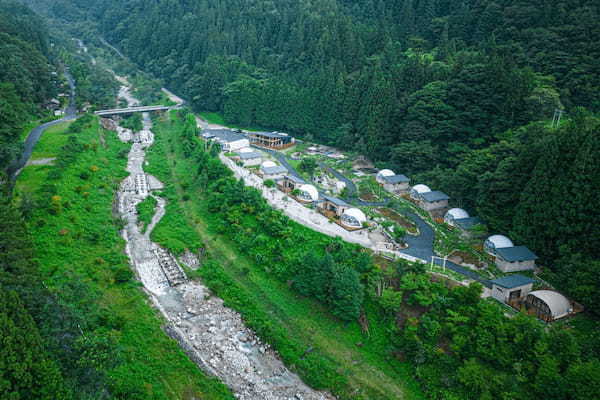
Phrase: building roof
[385,172]
[559,305]
[269,134]
[249,155]
[436,195]
[336,201]
[512,281]
[277,169]
[457,213]
[395,179]
[294,178]
[225,135]
[516,253]
[267,164]
[420,188]
[467,223]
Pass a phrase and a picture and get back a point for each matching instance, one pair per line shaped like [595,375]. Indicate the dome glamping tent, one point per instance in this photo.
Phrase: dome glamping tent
[267,164]
[495,242]
[417,190]
[382,173]
[353,218]
[308,193]
[548,305]
[454,214]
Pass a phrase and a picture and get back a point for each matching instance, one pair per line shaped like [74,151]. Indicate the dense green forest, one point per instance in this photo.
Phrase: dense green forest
[455,95]
[25,74]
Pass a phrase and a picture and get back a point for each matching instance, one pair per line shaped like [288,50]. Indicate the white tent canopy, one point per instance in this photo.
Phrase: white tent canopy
[353,217]
[454,214]
[308,193]
[497,242]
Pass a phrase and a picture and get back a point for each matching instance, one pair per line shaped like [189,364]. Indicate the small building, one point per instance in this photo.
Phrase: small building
[271,140]
[453,214]
[289,182]
[466,225]
[353,218]
[307,193]
[270,170]
[249,158]
[395,183]
[434,200]
[511,289]
[495,242]
[517,258]
[332,207]
[228,139]
[417,190]
[548,305]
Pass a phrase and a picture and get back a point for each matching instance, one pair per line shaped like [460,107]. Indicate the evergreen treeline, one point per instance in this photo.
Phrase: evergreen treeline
[25,79]
[431,88]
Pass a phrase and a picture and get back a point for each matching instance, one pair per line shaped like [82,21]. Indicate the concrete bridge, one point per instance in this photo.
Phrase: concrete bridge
[130,110]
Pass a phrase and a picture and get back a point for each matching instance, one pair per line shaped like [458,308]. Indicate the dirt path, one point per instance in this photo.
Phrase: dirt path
[213,335]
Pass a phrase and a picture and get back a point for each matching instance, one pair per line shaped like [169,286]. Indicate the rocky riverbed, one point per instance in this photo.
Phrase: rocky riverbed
[213,335]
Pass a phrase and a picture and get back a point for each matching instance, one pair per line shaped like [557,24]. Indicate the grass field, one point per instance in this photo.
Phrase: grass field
[355,365]
[51,141]
[82,259]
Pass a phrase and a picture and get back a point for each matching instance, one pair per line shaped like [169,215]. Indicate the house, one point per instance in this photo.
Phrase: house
[417,190]
[353,218]
[511,289]
[248,158]
[273,172]
[453,214]
[307,193]
[395,183]
[466,225]
[228,139]
[435,200]
[547,305]
[332,207]
[495,242]
[289,182]
[516,258]
[271,140]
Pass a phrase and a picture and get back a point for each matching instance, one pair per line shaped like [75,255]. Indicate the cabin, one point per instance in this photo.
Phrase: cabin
[271,140]
[511,289]
[466,225]
[417,190]
[396,183]
[332,207]
[353,219]
[435,200]
[547,305]
[270,170]
[516,258]
[248,158]
[289,182]
[229,140]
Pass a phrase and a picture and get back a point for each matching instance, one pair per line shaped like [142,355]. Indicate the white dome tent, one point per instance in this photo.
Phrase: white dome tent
[496,242]
[268,164]
[353,218]
[454,214]
[418,189]
[382,173]
[548,304]
[308,193]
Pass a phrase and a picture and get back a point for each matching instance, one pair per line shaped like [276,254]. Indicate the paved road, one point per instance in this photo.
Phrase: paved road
[36,133]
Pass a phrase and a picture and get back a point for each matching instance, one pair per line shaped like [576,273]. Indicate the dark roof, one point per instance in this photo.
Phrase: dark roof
[278,169]
[249,155]
[516,253]
[294,178]
[436,195]
[512,281]
[224,134]
[468,223]
[396,179]
[336,201]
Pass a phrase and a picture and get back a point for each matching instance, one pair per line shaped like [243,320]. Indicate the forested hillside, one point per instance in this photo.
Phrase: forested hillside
[25,79]
[455,95]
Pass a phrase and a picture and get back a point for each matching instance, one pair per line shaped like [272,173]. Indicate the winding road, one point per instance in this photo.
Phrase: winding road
[36,133]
